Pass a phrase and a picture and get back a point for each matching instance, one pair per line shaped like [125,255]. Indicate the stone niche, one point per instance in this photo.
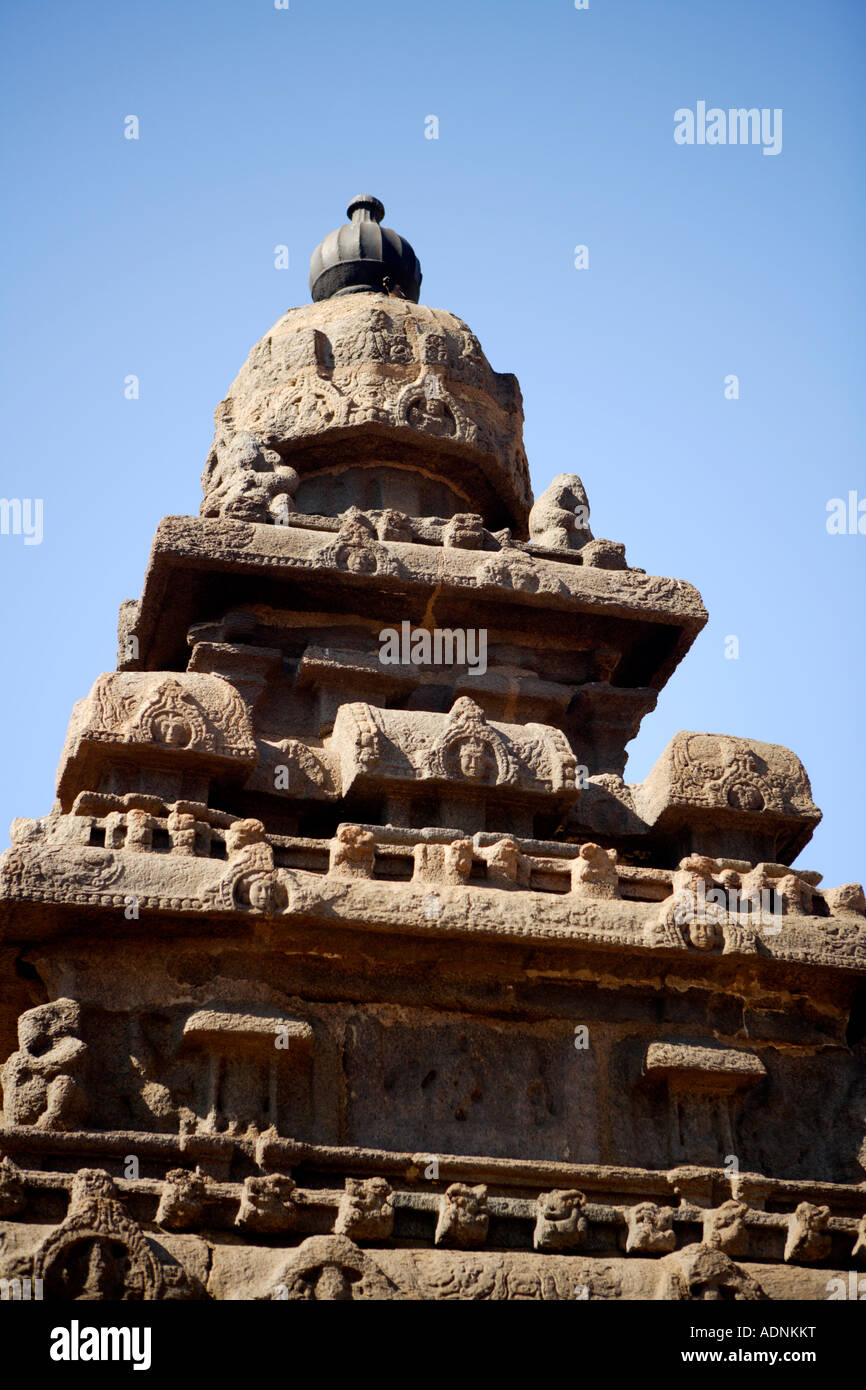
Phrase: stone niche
[257,1069]
[705,1087]
[378,486]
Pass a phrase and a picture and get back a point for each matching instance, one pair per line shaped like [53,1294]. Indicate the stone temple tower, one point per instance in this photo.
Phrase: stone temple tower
[346,963]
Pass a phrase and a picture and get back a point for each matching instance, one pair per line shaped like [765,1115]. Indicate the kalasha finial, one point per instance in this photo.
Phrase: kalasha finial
[362,256]
[365,208]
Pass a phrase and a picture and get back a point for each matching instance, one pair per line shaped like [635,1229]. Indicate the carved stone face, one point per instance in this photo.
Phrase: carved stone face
[330,1283]
[558,1206]
[374,1191]
[242,833]
[361,561]
[172,729]
[473,758]
[467,1200]
[745,796]
[260,893]
[704,936]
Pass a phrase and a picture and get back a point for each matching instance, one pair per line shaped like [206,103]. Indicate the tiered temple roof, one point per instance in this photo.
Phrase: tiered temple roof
[345,933]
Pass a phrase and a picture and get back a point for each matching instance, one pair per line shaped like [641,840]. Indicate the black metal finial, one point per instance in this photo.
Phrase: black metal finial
[364,256]
[365,208]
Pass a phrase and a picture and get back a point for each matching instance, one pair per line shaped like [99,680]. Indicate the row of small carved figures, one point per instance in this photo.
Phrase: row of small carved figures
[272,1204]
[594,871]
[555,532]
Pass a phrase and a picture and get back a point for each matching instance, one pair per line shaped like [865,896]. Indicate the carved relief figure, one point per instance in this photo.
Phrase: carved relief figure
[243,479]
[559,519]
[365,1211]
[650,1230]
[691,908]
[808,1238]
[333,1269]
[267,1204]
[44,1083]
[593,873]
[353,852]
[357,549]
[463,1215]
[718,770]
[251,882]
[507,867]
[184,1199]
[560,1224]
[725,1228]
[429,411]
[98,1252]
[193,710]
[699,1272]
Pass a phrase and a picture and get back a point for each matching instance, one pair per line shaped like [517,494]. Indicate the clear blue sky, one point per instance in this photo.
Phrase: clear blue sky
[155,257]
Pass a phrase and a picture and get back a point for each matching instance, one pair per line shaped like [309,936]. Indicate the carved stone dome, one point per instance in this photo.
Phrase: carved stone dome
[376,402]
[363,255]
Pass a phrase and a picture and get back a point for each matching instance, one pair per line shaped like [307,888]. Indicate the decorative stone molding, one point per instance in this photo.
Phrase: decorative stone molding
[352,370]
[247,1051]
[705,1087]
